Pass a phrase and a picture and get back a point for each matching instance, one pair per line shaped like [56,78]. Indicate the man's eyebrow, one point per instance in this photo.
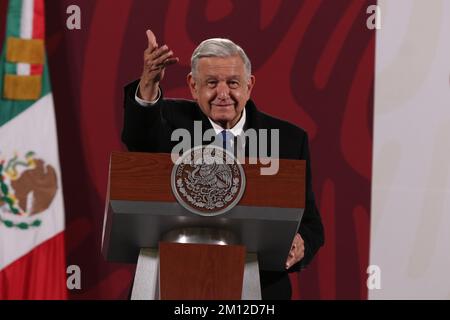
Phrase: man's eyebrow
[232,77]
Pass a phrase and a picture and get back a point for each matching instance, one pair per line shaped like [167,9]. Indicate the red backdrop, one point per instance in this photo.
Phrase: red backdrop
[314,66]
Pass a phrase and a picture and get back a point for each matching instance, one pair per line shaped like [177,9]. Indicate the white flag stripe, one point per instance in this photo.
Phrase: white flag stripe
[23,69]
[26,19]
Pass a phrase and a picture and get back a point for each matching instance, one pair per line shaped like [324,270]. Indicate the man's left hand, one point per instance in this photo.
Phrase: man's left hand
[297,251]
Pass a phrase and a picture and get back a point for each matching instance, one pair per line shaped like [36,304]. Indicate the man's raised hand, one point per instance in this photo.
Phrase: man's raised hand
[156,59]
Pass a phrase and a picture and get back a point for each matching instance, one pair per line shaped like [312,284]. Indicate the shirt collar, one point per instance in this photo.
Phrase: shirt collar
[238,128]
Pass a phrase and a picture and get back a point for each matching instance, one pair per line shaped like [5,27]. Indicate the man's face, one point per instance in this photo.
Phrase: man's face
[221,88]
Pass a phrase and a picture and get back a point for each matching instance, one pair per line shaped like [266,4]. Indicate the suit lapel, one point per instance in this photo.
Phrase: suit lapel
[251,122]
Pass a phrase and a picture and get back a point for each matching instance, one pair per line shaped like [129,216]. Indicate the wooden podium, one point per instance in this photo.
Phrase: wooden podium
[181,255]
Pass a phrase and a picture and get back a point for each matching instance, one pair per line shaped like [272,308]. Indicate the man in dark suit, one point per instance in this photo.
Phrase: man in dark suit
[220,82]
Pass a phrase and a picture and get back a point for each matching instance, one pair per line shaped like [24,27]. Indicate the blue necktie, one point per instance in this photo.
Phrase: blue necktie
[226,140]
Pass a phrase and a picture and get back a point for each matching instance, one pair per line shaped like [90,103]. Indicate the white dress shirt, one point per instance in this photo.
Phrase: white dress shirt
[145,103]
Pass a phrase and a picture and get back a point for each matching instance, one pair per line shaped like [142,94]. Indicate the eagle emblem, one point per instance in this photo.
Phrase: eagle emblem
[208,181]
[27,188]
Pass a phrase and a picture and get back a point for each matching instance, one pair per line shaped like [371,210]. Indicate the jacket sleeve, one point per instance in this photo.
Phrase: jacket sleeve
[144,128]
[311,228]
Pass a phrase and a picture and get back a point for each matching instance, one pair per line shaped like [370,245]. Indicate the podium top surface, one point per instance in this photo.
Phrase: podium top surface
[138,176]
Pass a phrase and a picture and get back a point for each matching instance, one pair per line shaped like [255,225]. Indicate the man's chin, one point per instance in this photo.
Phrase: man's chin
[222,119]
[223,115]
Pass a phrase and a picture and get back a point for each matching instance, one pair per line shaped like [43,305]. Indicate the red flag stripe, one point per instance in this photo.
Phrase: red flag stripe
[39,275]
[39,20]
[36,69]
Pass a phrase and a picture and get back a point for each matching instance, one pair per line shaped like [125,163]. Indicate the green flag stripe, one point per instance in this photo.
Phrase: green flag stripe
[13,20]
[10,68]
[46,85]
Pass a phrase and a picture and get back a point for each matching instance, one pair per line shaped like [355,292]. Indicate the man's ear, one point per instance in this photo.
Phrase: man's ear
[250,84]
[192,85]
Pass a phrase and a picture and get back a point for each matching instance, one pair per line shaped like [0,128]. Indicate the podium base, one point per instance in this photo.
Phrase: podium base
[146,279]
[251,287]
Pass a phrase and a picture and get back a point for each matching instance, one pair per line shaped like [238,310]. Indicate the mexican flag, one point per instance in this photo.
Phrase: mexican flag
[32,257]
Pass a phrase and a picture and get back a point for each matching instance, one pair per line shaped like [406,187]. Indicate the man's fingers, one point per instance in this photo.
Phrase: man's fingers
[171,61]
[293,259]
[168,62]
[163,58]
[155,54]
[159,56]
[151,57]
[296,253]
[289,262]
[151,39]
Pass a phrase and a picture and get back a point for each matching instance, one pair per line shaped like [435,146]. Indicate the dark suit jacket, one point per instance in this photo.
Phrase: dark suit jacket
[148,129]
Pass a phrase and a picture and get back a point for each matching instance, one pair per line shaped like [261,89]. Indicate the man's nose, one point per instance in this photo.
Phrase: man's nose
[223,92]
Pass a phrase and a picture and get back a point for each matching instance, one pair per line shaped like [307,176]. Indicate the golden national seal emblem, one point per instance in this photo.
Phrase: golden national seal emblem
[208,181]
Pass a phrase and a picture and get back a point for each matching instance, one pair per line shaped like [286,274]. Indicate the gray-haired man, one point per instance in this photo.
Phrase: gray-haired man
[221,83]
